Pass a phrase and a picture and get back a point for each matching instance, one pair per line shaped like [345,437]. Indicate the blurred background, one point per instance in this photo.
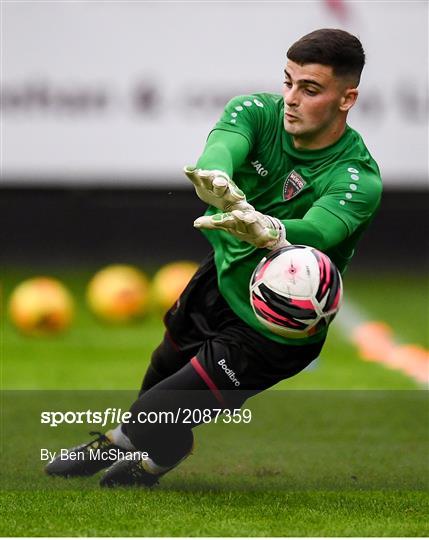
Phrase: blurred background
[104,103]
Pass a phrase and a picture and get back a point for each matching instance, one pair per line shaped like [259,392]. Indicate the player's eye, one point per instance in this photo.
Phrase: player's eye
[287,83]
[310,92]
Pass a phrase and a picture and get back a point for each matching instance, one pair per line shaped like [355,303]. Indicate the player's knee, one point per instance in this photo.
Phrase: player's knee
[165,359]
[164,362]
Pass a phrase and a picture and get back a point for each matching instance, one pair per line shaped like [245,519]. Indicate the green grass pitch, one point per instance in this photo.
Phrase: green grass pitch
[358,469]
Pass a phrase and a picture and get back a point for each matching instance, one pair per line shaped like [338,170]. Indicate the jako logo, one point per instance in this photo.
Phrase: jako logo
[259,168]
[228,372]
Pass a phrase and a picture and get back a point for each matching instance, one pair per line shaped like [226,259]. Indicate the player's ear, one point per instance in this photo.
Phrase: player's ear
[348,99]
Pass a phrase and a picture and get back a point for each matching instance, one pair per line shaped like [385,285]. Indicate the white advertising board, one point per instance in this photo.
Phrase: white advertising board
[126,92]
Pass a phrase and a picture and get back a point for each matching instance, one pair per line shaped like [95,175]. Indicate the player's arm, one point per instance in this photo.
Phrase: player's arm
[227,147]
[327,223]
[319,228]
[340,211]
[224,152]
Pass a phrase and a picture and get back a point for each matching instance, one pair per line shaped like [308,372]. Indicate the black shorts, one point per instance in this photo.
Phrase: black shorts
[225,351]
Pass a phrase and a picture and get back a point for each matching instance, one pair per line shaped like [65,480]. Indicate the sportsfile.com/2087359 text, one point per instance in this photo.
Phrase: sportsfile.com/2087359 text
[179,416]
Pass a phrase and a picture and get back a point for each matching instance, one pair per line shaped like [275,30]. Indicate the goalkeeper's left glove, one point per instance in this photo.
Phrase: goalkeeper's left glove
[251,226]
[217,189]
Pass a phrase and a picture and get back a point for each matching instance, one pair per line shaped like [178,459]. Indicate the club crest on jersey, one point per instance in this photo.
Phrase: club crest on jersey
[294,183]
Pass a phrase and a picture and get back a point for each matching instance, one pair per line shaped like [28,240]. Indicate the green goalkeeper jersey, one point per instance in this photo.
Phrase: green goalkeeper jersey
[285,182]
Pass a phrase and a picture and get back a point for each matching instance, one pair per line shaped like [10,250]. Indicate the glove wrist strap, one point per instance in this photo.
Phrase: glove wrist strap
[278,226]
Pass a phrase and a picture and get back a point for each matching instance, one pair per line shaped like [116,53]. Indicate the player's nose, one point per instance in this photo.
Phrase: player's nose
[291,97]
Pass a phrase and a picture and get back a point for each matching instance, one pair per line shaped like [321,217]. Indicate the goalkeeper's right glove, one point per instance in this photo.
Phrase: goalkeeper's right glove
[217,189]
[251,226]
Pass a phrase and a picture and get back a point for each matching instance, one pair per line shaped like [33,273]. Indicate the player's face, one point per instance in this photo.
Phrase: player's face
[315,104]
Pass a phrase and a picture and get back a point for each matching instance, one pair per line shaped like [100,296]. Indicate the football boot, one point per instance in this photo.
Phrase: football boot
[129,472]
[85,459]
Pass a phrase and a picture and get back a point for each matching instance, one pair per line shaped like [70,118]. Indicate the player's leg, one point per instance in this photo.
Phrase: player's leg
[185,332]
[173,353]
[166,360]
[188,325]
[169,357]
[222,375]
[161,427]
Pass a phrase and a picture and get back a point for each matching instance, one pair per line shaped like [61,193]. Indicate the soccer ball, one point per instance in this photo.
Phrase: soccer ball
[296,291]
[118,293]
[170,281]
[41,306]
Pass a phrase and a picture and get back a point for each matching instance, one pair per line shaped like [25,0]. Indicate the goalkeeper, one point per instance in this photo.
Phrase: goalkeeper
[276,169]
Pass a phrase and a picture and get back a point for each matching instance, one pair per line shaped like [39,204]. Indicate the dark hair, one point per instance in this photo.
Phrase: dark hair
[330,47]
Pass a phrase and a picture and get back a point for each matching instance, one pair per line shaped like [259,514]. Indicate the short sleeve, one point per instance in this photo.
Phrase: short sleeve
[244,115]
[353,196]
